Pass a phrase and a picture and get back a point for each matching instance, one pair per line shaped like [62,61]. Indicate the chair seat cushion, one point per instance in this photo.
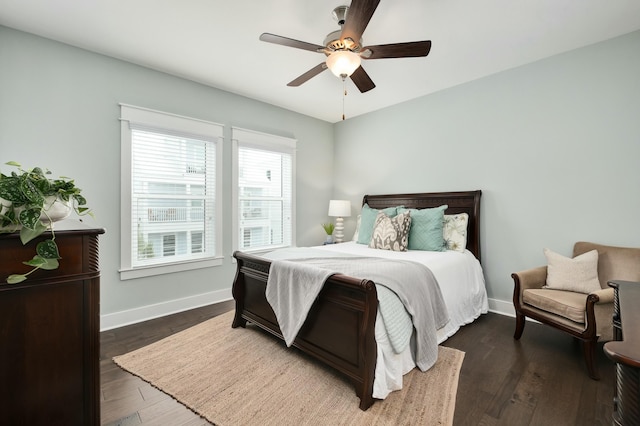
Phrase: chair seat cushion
[567,304]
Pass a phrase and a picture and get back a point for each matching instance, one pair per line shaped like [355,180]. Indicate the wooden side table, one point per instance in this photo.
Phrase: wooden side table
[625,352]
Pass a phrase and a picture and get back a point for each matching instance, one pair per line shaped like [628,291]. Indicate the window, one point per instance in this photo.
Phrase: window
[196,242]
[263,198]
[171,176]
[168,245]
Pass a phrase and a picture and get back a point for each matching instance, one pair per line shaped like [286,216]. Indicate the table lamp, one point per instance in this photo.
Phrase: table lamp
[339,209]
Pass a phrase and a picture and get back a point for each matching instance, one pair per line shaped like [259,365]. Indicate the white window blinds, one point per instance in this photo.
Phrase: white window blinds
[172,210]
[264,195]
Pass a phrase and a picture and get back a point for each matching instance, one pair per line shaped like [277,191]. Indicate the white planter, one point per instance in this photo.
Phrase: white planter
[55,209]
[4,205]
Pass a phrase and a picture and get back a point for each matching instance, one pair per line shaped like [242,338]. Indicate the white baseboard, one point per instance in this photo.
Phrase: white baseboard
[144,313]
[502,307]
[505,308]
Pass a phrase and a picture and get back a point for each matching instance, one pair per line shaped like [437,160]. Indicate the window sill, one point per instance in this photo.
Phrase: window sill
[148,271]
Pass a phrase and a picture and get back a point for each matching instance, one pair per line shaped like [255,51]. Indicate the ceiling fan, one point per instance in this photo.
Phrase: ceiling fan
[344,48]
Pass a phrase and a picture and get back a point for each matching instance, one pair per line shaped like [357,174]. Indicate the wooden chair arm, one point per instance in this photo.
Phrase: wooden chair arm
[530,278]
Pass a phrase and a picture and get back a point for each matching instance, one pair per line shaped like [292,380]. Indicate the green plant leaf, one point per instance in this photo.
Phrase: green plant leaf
[36,262]
[50,264]
[48,249]
[43,186]
[27,234]
[328,228]
[16,278]
[10,191]
[30,218]
[8,220]
[30,191]
[13,163]
[42,263]
[80,199]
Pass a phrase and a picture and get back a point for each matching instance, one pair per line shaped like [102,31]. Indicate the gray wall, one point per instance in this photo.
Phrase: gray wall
[554,146]
[59,110]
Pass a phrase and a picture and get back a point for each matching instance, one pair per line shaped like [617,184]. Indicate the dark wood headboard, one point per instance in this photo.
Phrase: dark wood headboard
[458,202]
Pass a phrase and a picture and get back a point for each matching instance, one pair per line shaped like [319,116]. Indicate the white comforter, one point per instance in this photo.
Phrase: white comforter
[462,285]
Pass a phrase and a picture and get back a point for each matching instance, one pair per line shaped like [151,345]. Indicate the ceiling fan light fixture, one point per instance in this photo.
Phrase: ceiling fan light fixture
[343,63]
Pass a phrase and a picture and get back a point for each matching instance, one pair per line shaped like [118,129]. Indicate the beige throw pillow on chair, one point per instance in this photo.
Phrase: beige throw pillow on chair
[578,274]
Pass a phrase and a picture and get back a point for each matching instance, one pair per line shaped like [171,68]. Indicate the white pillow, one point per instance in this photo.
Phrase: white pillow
[579,274]
[455,231]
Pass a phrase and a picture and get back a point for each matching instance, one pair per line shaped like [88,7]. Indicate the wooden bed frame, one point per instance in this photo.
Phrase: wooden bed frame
[340,327]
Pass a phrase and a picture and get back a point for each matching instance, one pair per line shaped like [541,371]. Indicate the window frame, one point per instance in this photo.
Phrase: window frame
[173,124]
[253,139]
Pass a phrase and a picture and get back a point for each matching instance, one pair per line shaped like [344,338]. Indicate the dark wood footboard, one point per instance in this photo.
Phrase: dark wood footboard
[339,330]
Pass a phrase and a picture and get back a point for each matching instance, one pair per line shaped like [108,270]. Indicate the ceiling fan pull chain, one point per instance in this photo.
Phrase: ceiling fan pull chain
[344,93]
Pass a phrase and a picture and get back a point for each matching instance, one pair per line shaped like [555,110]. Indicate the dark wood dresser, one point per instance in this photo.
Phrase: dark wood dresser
[625,351]
[50,332]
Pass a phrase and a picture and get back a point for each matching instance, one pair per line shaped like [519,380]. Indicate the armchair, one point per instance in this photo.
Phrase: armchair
[587,317]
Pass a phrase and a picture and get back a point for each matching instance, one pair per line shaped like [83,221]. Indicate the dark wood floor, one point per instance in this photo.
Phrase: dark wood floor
[126,399]
[539,380]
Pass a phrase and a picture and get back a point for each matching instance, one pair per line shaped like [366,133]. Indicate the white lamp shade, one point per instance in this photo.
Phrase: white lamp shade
[343,62]
[339,208]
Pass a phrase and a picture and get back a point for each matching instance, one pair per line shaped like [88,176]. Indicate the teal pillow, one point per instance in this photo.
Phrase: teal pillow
[426,231]
[368,219]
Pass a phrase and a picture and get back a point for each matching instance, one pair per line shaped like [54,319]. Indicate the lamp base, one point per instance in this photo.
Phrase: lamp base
[338,235]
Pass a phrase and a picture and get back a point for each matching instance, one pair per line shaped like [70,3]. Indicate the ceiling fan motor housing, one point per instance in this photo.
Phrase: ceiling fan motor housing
[333,42]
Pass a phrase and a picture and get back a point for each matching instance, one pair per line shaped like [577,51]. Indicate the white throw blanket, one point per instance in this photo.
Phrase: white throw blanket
[293,286]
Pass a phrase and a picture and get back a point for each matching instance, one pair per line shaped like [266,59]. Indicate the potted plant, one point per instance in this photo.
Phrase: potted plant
[328,228]
[30,202]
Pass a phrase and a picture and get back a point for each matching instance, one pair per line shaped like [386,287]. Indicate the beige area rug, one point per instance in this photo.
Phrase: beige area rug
[247,377]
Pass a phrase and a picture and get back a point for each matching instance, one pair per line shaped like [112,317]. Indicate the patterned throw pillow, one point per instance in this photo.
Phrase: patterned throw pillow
[367,221]
[455,231]
[391,233]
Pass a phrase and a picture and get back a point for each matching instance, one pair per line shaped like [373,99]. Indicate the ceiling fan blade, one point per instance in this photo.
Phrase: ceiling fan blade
[410,49]
[308,75]
[285,41]
[358,17]
[362,80]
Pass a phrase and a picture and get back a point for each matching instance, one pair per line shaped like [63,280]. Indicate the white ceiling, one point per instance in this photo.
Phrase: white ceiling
[216,42]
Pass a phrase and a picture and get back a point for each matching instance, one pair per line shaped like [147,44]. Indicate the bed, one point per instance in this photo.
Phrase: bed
[340,328]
